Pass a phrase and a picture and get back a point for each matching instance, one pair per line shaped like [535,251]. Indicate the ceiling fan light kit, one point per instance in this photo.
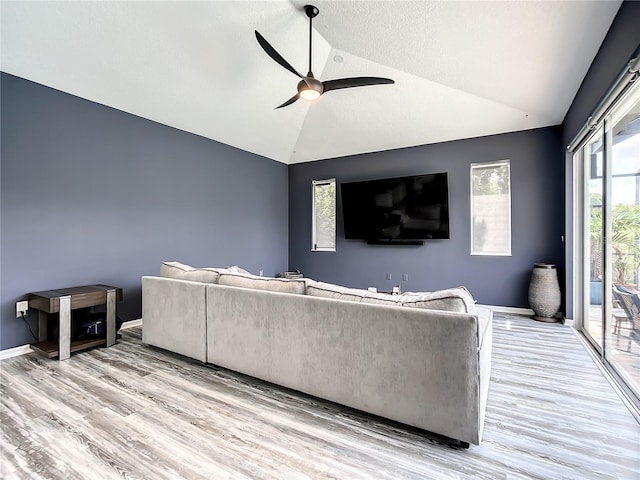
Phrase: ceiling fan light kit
[309,88]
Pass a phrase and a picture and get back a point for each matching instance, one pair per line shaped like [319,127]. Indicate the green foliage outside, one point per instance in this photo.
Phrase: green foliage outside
[625,243]
[325,210]
[491,180]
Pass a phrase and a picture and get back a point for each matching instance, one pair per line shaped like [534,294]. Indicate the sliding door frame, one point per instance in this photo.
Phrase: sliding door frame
[582,252]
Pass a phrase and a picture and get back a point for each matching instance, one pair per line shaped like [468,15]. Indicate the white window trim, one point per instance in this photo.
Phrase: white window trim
[315,183]
[497,163]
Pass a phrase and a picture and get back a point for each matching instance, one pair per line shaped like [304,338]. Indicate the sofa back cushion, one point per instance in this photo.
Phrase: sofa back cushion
[263,283]
[180,271]
[452,300]
[383,299]
[457,299]
[330,290]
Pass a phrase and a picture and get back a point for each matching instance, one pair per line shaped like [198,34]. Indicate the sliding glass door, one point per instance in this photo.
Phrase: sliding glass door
[609,163]
[624,248]
[594,235]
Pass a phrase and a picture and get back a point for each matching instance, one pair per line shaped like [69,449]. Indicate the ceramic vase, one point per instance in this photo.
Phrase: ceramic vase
[544,292]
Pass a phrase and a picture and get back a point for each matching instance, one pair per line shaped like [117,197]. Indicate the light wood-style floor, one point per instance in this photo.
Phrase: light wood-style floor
[135,412]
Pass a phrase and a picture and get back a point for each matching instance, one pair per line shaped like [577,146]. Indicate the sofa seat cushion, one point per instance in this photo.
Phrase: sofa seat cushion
[180,271]
[457,299]
[282,285]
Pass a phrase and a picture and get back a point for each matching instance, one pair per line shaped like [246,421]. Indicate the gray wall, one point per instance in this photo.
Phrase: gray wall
[90,194]
[621,41]
[617,48]
[537,174]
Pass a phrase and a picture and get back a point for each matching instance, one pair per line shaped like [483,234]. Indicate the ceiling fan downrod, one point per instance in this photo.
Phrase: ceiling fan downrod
[311,12]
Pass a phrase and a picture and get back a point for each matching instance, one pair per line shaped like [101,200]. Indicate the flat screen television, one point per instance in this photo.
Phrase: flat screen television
[400,210]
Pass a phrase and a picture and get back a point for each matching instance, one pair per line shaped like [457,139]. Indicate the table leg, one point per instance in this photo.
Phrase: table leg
[111,317]
[42,326]
[64,335]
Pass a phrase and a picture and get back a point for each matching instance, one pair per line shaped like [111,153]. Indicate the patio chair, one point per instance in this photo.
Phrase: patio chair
[629,305]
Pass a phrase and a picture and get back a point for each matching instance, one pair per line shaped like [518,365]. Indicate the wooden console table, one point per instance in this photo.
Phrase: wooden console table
[64,301]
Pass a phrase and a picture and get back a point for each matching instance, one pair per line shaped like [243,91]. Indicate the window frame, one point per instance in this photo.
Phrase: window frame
[489,164]
[314,243]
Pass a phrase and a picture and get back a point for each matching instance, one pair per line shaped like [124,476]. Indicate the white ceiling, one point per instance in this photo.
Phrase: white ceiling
[462,69]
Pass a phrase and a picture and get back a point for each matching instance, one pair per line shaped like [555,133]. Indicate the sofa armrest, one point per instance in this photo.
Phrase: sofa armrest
[174,316]
[485,325]
[485,347]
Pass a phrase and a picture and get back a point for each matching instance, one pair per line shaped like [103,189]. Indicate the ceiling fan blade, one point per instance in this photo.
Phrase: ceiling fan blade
[288,102]
[354,82]
[275,55]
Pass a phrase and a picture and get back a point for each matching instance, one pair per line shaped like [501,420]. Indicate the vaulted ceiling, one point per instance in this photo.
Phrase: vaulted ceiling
[461,69]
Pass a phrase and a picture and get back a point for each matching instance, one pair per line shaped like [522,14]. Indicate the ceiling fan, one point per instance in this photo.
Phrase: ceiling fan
[309,88]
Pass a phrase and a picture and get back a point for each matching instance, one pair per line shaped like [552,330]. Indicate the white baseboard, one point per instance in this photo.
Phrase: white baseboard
[515,310]
[15,351]
[521,311]
[22,349]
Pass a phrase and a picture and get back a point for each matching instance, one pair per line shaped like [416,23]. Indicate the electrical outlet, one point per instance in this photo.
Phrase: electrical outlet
[22,308]
[405,277]
[262,273]
[388,276]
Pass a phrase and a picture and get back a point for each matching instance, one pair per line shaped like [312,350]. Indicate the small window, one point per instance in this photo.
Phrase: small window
[323,234]
[491,208]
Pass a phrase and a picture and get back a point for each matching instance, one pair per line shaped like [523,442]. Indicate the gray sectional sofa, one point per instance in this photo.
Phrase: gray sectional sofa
[423,359]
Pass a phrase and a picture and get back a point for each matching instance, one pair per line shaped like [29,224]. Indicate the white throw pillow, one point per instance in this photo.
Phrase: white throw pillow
[237,269]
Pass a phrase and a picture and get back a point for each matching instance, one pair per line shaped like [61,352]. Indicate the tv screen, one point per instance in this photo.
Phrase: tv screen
[396,209]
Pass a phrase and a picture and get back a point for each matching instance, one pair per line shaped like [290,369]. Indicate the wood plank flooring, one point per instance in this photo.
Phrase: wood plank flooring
[135,412]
